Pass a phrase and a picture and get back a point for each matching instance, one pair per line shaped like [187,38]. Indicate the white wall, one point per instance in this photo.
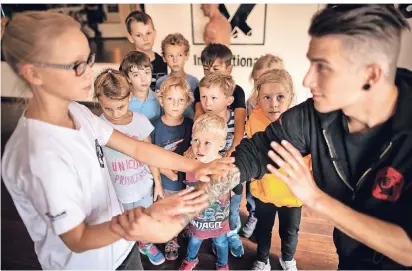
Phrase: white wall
[405,57]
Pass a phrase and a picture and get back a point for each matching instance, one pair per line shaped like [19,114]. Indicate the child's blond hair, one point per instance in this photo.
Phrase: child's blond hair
[279,76]
[225,82]
[211,123]
[177,82]
[265,62]
[112,84]
[175,39]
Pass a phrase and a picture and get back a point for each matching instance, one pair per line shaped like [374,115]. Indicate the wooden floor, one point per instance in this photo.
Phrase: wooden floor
[315,248]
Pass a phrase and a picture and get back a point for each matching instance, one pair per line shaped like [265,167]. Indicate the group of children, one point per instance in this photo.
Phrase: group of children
[201,120]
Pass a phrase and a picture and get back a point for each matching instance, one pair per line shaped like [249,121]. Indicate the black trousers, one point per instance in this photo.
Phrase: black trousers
[289,222]
[132,261]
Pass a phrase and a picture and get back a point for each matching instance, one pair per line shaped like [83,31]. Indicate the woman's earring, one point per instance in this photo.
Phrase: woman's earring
[366,87]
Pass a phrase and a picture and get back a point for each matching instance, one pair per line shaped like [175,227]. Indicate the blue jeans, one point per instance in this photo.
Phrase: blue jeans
[234,215]
[250,199]
[220,243]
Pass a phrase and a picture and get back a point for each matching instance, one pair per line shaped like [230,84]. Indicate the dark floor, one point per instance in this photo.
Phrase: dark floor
[315,249]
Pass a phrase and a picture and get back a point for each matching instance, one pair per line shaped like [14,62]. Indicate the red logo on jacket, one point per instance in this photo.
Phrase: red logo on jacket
[388,184]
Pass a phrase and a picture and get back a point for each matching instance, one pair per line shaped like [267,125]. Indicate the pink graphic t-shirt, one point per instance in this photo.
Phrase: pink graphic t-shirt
[132,179]
[213,221]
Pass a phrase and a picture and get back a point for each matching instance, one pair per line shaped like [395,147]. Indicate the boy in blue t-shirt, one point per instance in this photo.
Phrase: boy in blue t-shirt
[175,51]
[138,69]
[173,131]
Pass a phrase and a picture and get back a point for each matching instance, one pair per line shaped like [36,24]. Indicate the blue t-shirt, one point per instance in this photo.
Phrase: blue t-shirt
[193,83]
[150,107]
[174,138]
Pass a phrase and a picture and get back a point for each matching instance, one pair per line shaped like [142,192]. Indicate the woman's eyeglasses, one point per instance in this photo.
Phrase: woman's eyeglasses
[79,67]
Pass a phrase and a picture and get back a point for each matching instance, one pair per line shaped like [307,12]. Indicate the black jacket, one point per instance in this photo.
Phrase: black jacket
[384,191]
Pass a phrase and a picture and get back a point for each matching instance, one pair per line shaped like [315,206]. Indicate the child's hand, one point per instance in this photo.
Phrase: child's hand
[186,201]
[162,220]
[171,174]
[219,167]
[189,154]
[158,193]
[229,152]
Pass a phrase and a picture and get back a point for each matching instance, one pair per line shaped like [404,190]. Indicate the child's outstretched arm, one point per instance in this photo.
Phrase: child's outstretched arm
[251,159]
[158,188]
[156,156]
[169,173]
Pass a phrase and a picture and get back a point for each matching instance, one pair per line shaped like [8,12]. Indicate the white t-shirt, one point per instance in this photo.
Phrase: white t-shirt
[58,179]
[132,180]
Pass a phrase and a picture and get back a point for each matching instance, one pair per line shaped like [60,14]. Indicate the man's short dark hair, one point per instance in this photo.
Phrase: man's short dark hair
[134,59]
[214,51]
[368,30]
[138,17]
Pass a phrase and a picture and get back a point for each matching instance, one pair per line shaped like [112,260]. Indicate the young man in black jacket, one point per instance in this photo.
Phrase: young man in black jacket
[358,129]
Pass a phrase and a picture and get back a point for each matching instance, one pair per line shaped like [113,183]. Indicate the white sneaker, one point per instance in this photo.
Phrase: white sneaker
[288,265]
[258,265]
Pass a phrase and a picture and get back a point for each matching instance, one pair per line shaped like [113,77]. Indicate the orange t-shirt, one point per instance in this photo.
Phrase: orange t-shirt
[270,189]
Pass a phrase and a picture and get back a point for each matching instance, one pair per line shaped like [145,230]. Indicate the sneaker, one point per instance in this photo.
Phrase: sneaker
[171,249]
[249,227]
[223,267]
[235,245]
[187,265]
[153,253]
[258,265]
[288,265]
[186,233]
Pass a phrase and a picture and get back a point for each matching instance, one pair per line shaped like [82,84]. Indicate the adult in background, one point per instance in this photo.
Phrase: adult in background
[218,29]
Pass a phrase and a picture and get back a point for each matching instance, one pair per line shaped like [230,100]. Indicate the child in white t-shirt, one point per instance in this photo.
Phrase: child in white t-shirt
[132,180]
[53,165]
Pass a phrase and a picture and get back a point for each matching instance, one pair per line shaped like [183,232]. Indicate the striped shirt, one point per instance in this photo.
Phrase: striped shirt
[229,142]
[230,132]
